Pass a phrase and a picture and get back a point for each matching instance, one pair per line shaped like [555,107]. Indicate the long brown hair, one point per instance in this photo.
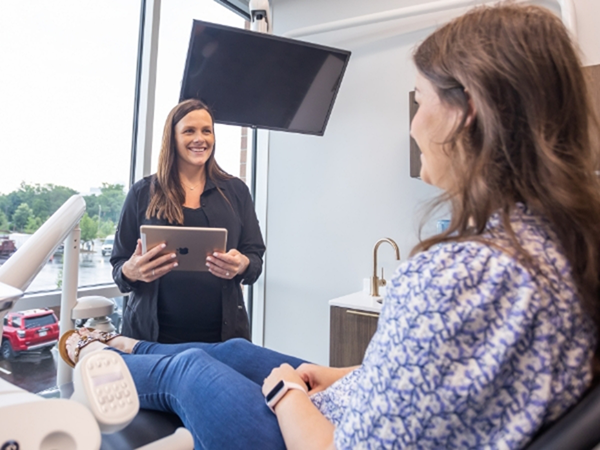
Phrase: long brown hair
[533,137]
[167,195]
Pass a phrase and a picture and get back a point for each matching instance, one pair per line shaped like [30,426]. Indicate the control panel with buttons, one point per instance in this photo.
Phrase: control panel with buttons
[102,382]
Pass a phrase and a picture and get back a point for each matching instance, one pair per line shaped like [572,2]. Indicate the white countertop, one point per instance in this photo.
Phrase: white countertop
[359,300]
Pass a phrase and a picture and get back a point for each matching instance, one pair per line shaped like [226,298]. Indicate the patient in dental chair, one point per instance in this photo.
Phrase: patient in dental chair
[488,331]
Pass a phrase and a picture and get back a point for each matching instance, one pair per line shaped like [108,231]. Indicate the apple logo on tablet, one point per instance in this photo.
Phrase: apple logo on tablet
[182,251]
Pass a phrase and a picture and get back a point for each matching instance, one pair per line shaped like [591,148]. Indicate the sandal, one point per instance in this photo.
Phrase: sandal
[103,336]
[84,339]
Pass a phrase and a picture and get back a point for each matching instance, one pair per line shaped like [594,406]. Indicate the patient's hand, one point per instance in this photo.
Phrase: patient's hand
[320,378]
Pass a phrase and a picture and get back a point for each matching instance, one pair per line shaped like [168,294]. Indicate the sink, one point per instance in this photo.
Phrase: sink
[360,300]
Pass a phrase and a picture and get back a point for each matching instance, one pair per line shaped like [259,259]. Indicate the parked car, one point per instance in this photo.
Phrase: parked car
[34,329]
[7,246]
[107,246]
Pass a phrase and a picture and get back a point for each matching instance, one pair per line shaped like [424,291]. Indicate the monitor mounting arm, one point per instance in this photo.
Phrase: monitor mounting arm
[260,16]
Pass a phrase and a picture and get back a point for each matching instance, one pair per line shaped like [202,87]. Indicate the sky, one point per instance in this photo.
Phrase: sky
[67,88]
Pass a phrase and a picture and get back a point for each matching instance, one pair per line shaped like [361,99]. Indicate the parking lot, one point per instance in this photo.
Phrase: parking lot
[32,371]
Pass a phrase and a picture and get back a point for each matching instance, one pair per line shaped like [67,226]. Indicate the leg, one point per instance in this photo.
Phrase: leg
[220,407]
[250,360]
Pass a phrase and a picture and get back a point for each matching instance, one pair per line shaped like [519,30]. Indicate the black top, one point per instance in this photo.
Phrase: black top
[236,214]
[189,303]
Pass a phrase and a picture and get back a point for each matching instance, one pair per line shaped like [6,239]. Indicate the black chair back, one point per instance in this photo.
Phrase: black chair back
[578,429]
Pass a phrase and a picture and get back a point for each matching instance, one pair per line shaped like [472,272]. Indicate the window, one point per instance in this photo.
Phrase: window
[176,18]
[232,142]
[67,89]
[40,321]
[16,321]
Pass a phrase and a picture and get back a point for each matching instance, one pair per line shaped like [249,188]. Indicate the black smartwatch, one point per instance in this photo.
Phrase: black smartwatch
[280,389]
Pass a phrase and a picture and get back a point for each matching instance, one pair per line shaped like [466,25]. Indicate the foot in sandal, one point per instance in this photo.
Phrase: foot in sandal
[74,344]
[115,340]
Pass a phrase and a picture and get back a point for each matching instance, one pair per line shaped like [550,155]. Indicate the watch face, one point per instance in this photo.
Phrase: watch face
[274,391]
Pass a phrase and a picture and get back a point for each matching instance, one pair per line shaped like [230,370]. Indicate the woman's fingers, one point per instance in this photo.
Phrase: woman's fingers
[227,265]
[161,270]
[138,248]
[223,265]
[308,373]
[221,272]
[152,253]
[158,267]
[225,259]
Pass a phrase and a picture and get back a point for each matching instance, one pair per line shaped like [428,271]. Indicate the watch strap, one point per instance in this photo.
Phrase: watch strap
[287,385]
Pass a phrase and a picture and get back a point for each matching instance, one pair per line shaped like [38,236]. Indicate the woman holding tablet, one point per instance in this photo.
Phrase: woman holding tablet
[189,189]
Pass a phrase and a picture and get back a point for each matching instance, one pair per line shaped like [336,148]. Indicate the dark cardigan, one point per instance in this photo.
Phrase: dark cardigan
[140,320]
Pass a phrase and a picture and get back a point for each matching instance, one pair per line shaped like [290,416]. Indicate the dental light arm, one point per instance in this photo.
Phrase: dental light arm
[23,266]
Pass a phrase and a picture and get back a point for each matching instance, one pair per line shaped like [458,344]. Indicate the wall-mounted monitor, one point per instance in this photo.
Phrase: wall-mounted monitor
[262,81]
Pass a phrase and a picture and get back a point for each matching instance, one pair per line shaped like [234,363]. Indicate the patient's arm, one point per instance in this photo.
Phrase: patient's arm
[320,378]
[302,425]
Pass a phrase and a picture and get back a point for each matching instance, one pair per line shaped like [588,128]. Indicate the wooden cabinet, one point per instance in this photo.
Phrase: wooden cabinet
[593,77]
[351,331]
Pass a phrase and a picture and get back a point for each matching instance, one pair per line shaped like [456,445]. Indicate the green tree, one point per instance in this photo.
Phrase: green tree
[33,223]
[21,216]
[43,200]
[4,204]
[111,201]
[53,197]
[3,221]
[91,205]
[89,228]
[106,228]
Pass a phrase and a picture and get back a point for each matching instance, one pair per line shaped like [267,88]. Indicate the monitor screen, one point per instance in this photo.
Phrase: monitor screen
[262,81]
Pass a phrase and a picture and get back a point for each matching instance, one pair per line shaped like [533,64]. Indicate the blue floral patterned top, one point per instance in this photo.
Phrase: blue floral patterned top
[472,349]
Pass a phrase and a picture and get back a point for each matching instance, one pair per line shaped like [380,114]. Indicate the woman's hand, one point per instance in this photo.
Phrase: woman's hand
[302,424]
[146,267]
[320,378]
[227,265]
[284,372]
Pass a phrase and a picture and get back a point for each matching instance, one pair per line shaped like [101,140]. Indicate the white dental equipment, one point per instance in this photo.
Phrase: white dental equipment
[104,385]
[30,421]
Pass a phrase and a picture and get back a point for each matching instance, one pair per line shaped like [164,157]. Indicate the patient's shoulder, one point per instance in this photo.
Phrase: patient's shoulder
[452,262]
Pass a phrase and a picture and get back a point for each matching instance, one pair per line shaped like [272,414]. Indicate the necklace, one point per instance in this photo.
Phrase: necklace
[190,187]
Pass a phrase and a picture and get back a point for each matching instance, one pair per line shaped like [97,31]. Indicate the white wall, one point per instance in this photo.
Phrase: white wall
[588,30]
[331,198]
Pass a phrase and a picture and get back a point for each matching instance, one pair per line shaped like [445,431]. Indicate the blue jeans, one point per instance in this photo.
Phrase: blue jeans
[215,389]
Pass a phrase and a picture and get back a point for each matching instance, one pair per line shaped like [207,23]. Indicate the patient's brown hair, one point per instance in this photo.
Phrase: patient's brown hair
[533,137]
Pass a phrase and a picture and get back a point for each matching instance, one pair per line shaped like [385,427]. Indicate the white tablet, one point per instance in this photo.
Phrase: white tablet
[191,244]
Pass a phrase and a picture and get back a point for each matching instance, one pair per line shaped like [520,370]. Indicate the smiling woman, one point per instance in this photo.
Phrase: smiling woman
[189,189]
[195,139]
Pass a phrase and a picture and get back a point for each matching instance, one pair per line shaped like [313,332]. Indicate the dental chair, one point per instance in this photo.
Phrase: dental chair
[76,419]
[578,429]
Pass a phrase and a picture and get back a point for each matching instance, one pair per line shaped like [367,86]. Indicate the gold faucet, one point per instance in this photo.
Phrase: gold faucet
[376,282]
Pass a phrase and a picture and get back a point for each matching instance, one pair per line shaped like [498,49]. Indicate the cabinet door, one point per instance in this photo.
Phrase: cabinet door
[350,333]
[593,76]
